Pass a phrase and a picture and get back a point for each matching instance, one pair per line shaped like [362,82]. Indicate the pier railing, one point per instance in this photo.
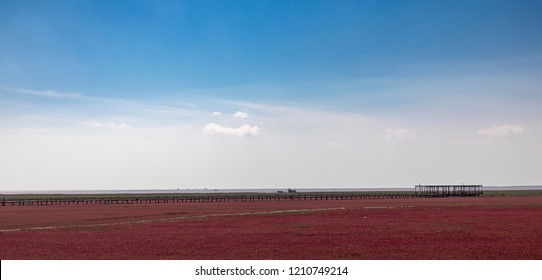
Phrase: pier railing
[193,198]
[448,190]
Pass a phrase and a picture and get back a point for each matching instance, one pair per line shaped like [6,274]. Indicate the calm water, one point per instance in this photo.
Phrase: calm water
[208,190]
[260,190]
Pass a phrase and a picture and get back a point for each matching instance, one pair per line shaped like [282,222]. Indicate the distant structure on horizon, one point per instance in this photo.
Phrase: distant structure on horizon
[448,190]
[290,190]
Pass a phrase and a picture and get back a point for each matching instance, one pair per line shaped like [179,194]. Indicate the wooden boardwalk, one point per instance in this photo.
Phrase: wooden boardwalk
[448,190]
[191,198]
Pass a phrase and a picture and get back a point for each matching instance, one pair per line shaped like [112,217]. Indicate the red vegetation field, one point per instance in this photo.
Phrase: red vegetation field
[425,228]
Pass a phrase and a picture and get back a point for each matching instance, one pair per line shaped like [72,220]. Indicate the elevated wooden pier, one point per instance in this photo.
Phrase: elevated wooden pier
[184,198]
[420,191]
[448,190]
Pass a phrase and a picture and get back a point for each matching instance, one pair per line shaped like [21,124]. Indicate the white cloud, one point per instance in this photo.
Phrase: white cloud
[244,130]
[501,130]
[45,93]
[217,114]
[399,135]
[241,115]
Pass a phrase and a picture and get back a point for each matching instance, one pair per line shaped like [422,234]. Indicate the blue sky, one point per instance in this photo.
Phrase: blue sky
[255,84]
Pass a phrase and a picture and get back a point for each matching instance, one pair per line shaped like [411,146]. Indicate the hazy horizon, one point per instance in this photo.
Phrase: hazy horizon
[264,94]
[249,190]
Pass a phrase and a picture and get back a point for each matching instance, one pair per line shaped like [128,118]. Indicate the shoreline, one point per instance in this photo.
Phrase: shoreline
[255,190]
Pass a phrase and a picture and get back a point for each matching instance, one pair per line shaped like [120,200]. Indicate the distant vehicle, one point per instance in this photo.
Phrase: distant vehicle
[290,190]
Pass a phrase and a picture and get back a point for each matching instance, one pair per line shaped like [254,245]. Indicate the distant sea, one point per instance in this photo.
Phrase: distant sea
[255,190]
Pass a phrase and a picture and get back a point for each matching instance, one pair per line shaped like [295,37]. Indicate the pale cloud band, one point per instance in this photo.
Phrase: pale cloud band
[241,115]
[399,135]
[45,93]
[501,130]
[244,130]
[110,125]
[238,114]
[302,146]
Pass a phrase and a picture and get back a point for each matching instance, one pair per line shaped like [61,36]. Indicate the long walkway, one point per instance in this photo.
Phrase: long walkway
[49,201]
